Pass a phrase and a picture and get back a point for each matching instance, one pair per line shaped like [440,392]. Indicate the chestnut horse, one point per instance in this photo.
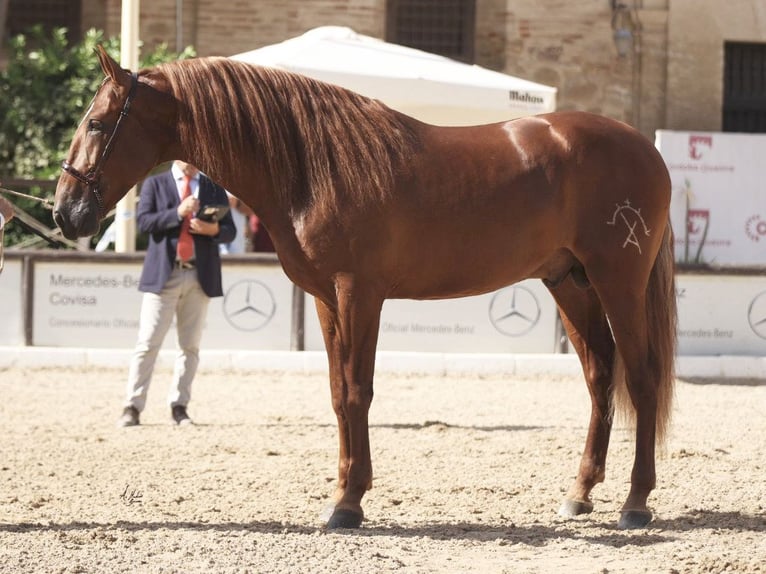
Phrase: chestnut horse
[364,203]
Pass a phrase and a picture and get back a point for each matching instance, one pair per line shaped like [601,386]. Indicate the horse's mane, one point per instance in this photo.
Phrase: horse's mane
[318,140]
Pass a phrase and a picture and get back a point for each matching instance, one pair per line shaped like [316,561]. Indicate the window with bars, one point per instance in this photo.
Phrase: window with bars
[744,87]
[445,27]
[23,14]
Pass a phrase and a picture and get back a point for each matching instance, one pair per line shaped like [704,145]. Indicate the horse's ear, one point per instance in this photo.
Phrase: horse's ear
[111,68]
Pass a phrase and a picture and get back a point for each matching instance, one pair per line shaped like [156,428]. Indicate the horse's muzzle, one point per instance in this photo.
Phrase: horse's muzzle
[75,217]
[73,228]
[64,225]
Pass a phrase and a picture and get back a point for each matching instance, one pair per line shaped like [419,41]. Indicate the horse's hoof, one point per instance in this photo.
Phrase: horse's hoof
[632,519]
[570,508]
[344,519]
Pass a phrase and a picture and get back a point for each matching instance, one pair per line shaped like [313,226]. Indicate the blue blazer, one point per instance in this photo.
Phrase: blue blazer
[157,215]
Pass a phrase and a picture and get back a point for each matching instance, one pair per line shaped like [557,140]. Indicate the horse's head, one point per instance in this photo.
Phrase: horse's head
[112,149]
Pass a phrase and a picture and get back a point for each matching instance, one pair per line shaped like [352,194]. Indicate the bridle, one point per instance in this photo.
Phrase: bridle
[93,175]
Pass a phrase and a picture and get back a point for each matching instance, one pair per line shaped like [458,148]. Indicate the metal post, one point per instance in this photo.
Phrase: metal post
[297,333]
[28,299]
[562,342]
[125,214]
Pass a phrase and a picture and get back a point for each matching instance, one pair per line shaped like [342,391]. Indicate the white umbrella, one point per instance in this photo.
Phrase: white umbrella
[432,88]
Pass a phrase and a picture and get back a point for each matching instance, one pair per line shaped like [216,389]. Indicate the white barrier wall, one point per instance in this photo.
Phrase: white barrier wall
[11,320]
[255,311]
[517,319]
[97,305]
[718,208]
[91,303]
[721,315]
[82,305]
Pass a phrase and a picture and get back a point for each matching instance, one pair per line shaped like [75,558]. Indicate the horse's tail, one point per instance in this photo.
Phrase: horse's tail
[661,320]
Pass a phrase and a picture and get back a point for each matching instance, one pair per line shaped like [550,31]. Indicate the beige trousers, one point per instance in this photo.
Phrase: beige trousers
[183,298]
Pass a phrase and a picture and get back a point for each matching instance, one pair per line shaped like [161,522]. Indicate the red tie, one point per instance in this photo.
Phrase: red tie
[185,240]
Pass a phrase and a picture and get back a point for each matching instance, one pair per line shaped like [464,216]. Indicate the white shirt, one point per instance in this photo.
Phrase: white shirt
[237,245]
[178,175]
[2,221]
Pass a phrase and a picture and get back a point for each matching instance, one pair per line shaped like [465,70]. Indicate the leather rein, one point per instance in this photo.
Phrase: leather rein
[92,177]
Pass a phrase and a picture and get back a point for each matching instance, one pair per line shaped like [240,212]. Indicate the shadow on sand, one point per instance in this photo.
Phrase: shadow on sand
[603,533]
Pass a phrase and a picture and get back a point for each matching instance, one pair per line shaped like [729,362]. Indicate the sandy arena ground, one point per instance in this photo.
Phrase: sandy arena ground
[469,474]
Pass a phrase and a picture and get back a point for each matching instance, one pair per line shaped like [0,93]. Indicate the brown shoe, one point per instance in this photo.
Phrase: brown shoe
[129,417]
[180,415]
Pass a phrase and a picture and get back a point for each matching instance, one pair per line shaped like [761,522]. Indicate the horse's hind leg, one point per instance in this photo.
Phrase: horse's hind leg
[631,334]
[626,307]
[589,331]
[350,330]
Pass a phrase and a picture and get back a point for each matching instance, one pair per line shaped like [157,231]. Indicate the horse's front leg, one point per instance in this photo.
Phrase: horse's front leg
[350,330]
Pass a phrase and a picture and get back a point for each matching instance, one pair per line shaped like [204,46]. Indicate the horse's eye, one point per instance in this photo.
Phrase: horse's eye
[95,126]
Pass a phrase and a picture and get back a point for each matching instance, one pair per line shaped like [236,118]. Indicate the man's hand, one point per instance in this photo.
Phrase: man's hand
[188,206]
[210,228]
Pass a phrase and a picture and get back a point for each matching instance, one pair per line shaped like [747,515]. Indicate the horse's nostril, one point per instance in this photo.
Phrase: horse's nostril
[63,224]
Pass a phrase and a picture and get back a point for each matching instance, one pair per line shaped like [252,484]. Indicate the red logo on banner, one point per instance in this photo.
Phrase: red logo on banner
[697,221]
[755,227]
[698,145]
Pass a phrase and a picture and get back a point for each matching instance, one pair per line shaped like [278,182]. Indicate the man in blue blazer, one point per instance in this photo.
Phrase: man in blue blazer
[181,272]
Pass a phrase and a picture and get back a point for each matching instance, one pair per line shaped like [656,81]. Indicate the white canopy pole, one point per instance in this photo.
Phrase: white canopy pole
[125,216]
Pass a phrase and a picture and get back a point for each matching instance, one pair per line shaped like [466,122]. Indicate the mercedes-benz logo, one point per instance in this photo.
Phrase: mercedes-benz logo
[248,305]
[756,315]
[514,311]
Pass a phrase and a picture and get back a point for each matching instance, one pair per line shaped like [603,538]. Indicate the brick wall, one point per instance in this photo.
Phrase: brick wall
[93,14]
[226,27]
[557,42]
[569,45]
[697,31]
[673,82]
[491,33]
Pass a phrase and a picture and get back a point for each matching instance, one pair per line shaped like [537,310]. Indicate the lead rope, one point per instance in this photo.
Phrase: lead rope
[46,203]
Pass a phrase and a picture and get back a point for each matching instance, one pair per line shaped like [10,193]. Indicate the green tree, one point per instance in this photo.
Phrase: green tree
[44,92]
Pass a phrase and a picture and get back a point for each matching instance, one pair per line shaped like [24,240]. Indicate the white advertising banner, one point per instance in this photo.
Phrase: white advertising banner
[97,305]
[255,312]
[721,315]
[517,319]
[85,305]
[12,320]
[718,208]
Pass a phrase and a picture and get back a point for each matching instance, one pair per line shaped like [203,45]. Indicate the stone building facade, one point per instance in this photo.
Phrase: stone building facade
[671,78]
